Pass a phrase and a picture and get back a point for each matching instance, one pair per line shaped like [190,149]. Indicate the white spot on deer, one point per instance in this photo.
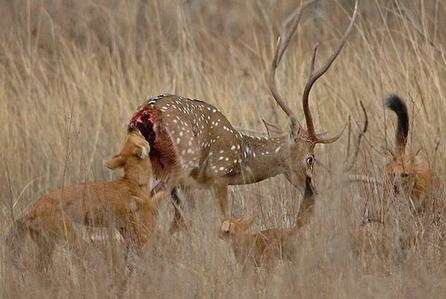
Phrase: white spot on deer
[227,159]
[221,168]
[190,151]
[233,147]
[221,158]
[181,133]
[215,110]
[277,149]
[175,121]
[178,140]
[221,151]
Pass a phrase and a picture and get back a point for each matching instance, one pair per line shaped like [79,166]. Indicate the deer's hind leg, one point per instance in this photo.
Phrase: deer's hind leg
[221,192]
[178,218]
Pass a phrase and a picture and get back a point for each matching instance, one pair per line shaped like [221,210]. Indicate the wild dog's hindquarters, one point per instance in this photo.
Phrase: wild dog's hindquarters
[408,173]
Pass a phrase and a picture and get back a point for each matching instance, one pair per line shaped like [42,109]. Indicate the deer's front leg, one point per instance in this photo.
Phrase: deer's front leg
[178,221]
[221,192]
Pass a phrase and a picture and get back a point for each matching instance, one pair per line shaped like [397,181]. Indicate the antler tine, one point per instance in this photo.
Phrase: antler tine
[360,136]
[287,31]
[314,76]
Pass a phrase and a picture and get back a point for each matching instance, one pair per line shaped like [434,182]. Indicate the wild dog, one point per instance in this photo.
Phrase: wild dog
[407,172]
[266,247]
[124,203]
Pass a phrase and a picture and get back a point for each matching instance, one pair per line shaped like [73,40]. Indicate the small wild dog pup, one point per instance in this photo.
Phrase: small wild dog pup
[124,203]
[406,170]
[265,247]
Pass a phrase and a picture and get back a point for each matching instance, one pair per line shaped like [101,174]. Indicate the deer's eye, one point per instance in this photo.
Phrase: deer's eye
[310,160]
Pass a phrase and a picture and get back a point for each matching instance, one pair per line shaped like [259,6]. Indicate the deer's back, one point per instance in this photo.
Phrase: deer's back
[188,138]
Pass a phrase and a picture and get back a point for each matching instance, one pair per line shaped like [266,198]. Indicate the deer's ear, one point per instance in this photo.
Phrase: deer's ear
[115,162]
[272,129]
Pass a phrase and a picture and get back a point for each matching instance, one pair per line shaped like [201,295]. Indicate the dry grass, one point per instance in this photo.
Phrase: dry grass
[72,72]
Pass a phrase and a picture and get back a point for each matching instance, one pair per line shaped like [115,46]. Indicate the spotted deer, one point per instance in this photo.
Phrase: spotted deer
[194,144]
[407,170]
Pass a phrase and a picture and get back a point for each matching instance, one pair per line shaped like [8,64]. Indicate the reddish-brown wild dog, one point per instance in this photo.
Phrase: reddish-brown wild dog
[123,202]
[407,170]
[266,247]
[193,143]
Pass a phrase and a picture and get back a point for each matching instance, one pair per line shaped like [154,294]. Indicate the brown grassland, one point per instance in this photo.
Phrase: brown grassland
[73,72]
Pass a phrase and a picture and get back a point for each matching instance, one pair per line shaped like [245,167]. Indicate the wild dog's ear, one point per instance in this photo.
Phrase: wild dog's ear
[245,223]
[142,152]
[226,226]
[115,162]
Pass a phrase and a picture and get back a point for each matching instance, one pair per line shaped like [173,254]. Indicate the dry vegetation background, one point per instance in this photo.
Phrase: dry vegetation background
[72,72]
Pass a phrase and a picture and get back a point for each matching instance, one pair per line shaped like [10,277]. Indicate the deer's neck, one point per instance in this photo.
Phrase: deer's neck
[306,212]
[262,157]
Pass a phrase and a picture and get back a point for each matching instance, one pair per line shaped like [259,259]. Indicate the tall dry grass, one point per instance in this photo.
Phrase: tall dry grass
[72,72]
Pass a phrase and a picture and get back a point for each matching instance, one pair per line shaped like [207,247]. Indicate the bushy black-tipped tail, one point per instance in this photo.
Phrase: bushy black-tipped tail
[397,105]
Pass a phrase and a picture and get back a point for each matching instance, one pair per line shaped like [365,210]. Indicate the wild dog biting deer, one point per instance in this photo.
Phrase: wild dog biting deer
[193,143]
[407,172]
[123,203]
[266,247]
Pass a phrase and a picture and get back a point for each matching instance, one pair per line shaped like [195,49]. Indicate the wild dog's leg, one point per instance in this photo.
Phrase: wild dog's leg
[46,243]
[78,247]
[178,218]
[221,192]
[135,235]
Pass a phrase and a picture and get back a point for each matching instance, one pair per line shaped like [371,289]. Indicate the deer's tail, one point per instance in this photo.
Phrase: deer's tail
[397,105]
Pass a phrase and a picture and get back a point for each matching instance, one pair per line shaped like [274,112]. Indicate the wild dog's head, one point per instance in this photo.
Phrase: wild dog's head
[133,157]
[235,226]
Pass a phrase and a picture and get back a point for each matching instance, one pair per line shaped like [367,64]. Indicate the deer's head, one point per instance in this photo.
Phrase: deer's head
[302,141]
